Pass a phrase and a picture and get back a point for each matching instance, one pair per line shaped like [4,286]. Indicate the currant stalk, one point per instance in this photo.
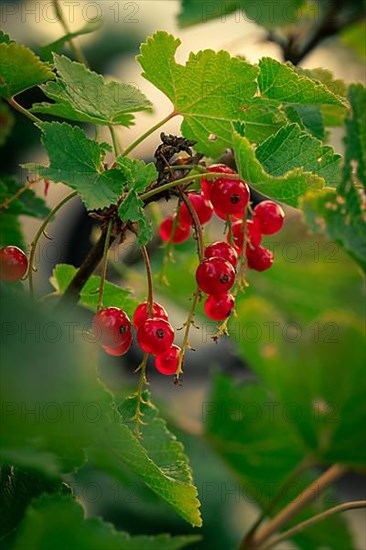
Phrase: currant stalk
[104,264]
[38,235]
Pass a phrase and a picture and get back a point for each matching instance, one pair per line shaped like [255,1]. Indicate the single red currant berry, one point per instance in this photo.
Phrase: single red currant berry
[254,233]
[230,196]
[222,250]
[181,232]
[224,217]
[237,229]
[167,362]
[215,276]
[121,349]
[270,217]
[259,258]
[142,313]
[201,205]
[114,326]
[155,336]
[13,264]
[206,185]
[219,306]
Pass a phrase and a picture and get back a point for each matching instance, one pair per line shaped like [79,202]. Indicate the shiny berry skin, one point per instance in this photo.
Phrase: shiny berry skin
[142,313]
[155,336]
[254,233]
[13,264]
[230,196]
[215,276]
[201,205]
[259,258]
[222,250]
[167,363]
[269,216]
[181,232]
[206,185]
[219,306]
[114,326]
[121,349]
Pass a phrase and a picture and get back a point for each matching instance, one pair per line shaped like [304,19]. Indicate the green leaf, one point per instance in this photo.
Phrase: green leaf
[78,162]
[58,45]
[261,118]
[5,38]
[138,175]
[353,37]
[355,139]
[27,204]
[113,295]
[341,217]
[59,522]
[329,409]
[210,91]
[53,402]
[292,148]
[82,95]
[282,82]
[158,459]
[255,435]
[309,117]
[271,14]
[286,188]
[20,69]
[6,122]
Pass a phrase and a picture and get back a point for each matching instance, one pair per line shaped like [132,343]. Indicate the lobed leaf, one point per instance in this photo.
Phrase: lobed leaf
[82,95]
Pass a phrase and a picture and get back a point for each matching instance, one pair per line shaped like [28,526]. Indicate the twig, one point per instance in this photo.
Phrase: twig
[286,514]
[40,233]
[315,519]
[22,110]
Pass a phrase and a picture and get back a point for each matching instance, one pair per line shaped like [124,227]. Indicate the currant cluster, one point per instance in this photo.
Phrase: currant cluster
[13,264]
[229,200]
[155,335]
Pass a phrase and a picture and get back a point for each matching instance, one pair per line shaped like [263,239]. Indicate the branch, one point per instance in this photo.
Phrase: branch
[319,517]
[293,508]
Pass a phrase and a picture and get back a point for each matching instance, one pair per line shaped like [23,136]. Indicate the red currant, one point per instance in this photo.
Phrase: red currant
[167,362]
[201,205]
[269,216]
[215,276]
[219,306]
[222,250]
[254,234]
[114,326]
[259,258]
[121,349]
[181,232]
[155,336]
[206,185]
[230,196]
[13,263]
[142,313]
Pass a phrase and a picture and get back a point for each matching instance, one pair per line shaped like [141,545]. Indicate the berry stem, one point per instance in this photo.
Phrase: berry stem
[151,130]
[8,201]
[187,324]
[186,179]
[168,254]
[104,265]
[196,223]
[150,294]
[115,141]
[40,233]
[315,519]
[75,48]
[22,110]
[140,388]
[293,508]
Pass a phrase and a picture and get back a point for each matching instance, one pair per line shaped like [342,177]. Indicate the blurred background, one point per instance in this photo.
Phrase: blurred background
[303,261]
